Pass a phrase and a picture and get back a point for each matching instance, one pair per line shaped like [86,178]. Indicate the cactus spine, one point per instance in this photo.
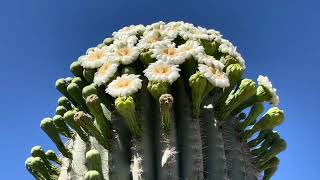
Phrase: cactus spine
[163,101]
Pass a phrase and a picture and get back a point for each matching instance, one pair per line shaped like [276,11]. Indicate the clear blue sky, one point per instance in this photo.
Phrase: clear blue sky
[40,38]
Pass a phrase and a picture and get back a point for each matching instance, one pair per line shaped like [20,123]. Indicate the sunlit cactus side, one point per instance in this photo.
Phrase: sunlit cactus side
[163,101]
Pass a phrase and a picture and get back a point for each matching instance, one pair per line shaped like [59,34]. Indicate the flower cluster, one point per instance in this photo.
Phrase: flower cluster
[169,46]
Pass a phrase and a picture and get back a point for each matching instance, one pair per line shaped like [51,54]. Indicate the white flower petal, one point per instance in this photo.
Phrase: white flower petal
[162,72]
[265,82]
[94,58]
[125,85]
[214,75]
[105,72]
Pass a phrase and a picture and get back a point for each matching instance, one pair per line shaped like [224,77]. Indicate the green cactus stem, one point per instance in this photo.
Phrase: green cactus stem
[189,137]
[85,121]
[93,160]
[61,126]
[246,89]
[255,111]
[274,162]
[94,104]
[234,157]
[53,157]
[69,119]
[48,127]
[37,151]
[78,166]
[63,101]
[198,84]
[92,175]
[213,150]
[167,152]
[271,119]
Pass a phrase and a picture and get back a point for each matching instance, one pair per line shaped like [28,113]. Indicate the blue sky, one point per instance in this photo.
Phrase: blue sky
[39,39]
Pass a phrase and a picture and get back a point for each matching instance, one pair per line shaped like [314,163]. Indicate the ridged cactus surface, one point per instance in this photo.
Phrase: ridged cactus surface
[161,102]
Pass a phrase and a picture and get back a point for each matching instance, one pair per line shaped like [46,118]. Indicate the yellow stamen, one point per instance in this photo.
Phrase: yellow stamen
[123,83]
[170,52]
[123,51]
[163,69]
[102,70]
[216,73]
[95,55]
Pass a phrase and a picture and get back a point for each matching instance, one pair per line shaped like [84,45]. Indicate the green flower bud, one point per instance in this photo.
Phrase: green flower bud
[228,60]
[38,165]
[198,85]
[88,90]
[263,94]
[60,110]
[37,151]
[69,119]
[48,127]
[108,41]
[61,86]
[262,135]
[78,81]
[63,101]
[156,89]
[101,45]
[268,173]
[145,58]
[166,102]
[126,108]
[93,160]
[179,40]
[274,162]
[88,74]
[234,73]
[62,126]
[76,69]
[128,70]
[68,80]
[255,111]
[270,138]
[94,104]
[92,175]
[247,88]
[33,172]
[53,157]
[210,47]
[76,93]
[89,50]
[278,146]
[85,121]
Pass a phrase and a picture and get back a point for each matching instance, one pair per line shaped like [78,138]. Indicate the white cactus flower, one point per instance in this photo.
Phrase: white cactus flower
[227,47]
[132,30]
[130,40]
[215,76]
[156,26]
[105,72]
[168,53]
[94,59]
[189,32]
[191,48]
[203,58]
[123,52]
[151,38]
[124,85]
[162,72]
[265,82]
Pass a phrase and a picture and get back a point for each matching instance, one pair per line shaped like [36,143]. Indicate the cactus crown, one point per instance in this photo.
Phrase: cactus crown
[151,88]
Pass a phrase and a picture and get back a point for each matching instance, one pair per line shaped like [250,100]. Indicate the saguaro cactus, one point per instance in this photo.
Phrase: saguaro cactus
[163,101]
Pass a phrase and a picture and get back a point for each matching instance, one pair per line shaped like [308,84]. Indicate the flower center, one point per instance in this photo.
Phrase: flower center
[123,51]
[162,69]
[123,83]
[170,52]
[216,73]
[102,70]
[96,55]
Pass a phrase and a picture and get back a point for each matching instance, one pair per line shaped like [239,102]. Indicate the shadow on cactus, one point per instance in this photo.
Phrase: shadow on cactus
[163,101]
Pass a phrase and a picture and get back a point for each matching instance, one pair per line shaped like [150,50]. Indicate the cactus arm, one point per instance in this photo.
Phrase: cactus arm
[189,138]
[78,164]
[234,158]
[214,154]
[93,160]
[166,142]
[62,127]
[53,157]
[37,151]
[92,175]
[69,118]
[104,154]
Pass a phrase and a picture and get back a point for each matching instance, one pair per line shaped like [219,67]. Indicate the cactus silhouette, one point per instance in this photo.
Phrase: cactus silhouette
[162,101]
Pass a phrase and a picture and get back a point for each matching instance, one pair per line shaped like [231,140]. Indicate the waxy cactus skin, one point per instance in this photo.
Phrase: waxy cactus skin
[120,118]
